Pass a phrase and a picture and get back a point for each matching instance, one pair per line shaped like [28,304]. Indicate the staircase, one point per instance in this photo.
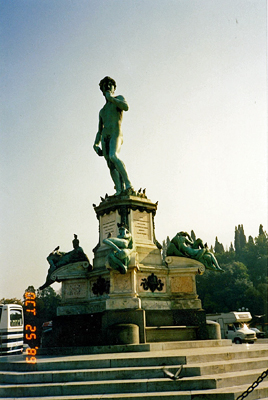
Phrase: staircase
[211,370]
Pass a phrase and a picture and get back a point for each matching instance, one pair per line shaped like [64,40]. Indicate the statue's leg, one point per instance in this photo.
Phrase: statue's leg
[116,179]
[51,263]
[47,283]
[105,143]
[115,145]
[206,261]
[116,264]
[215,263]
[211,262]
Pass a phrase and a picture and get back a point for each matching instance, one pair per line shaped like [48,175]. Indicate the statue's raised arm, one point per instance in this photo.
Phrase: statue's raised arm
[119,101]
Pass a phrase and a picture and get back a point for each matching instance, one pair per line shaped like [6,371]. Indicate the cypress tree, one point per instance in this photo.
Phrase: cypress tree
[218,246]
[237,240]
[261,231]
[243,239]
[240,239]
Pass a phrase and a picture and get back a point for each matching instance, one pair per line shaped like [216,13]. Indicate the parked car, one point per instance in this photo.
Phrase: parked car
[47,333]
[259,334]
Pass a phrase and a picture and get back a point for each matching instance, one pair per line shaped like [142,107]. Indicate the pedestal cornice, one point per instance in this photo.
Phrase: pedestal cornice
[131,202]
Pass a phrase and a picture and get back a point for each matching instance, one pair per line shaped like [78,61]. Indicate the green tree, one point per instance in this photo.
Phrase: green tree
[256,300]
[250,240]
[240,239]
[47,302]
[218,248]
[224,292]
[255,257]
[261,231]
[14,300]
[226,257]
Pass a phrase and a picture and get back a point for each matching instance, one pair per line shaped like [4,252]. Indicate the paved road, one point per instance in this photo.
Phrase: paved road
[261,341]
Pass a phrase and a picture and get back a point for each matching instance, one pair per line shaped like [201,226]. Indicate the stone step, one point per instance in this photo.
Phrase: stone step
[234,366]
[127,360]
[52,364]
[241,352]
[142,347]
[229,393]
[128,386]
[214,372]
[150,372]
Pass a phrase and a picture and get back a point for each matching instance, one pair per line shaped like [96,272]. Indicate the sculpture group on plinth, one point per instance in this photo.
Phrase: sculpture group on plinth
[182,245]
[58,259]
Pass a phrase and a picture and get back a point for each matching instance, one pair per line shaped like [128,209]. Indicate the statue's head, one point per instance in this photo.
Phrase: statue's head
[125,234]
[105,84]
[123,229]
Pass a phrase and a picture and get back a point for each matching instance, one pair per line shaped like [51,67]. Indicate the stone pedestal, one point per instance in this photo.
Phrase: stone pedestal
[123,290]
[75,287]
[178,289]
[154,298]
[138,214]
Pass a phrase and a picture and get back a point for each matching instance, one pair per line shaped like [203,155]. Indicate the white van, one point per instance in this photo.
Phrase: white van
[11,329]
[233,326]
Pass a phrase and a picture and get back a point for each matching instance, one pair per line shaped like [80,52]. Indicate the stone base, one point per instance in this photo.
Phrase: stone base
[76,330]
[170,333]
[98,329]
[186,324]
[152,297]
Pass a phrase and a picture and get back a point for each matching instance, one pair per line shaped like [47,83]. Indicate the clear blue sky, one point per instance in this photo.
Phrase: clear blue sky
[194,75]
